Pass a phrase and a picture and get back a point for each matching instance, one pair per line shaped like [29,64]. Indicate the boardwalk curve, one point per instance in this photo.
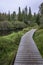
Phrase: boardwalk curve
[28,53]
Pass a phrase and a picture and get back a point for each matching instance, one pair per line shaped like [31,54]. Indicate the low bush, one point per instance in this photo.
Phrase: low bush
[19,25]
[38,37]
[41,22]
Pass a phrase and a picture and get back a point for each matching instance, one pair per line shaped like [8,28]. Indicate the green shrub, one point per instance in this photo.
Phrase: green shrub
[41,22]
[5,25]
[38,37]
[19,25]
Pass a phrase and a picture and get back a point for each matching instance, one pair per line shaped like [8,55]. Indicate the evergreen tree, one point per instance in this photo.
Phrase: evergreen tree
[38,19]
[34,16]
[0,17]
[19,14]
[41,9]
[23,15]
[13,16]
[30,14]
[25,12]
[9,16]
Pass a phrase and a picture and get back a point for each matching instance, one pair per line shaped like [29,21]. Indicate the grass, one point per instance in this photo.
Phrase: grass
[9,45]
[38,37]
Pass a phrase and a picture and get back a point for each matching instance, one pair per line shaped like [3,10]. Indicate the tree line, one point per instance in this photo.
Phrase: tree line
[24,15]
[21,16]
[39,18]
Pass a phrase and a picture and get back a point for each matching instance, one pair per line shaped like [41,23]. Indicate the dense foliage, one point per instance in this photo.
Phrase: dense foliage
[38,37]
[9,45]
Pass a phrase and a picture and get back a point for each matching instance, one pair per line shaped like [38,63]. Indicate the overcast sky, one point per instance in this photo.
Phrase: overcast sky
[12,5]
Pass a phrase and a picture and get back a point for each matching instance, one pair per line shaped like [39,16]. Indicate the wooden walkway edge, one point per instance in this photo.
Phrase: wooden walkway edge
[28,53]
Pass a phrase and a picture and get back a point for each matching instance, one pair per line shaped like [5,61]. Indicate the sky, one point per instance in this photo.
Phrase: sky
[12,5]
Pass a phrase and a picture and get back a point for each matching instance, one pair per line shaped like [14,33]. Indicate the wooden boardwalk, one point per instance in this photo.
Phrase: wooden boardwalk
[28,53]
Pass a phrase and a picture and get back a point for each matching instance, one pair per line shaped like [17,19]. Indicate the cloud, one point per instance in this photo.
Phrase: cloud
[12,5]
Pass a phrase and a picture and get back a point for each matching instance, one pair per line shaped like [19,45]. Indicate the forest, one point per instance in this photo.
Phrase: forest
[15,22]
